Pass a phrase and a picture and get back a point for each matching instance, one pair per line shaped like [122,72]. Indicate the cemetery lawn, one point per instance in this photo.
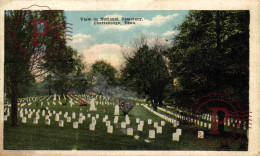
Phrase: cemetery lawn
[27,136]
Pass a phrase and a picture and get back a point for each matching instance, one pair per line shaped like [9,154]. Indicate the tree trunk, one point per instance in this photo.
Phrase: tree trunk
[160,99]
[221,116]
[154,104]
[14,99]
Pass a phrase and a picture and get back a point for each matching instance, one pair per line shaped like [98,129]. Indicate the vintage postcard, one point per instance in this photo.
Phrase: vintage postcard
[130,77]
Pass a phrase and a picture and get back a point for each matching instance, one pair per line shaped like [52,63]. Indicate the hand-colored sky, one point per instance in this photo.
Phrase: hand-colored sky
[105,42]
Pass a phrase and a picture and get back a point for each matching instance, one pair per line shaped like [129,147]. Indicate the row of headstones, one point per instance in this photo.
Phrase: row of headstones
[30,99]
[129,131]
[171,120]
[182,117]
[176,123]
[175,136]
[207,117]
[57,116]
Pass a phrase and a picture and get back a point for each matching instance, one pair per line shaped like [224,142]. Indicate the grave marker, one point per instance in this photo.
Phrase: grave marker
[35,121]
[48,122]
[175,137]
[155,124]
[73,115]
[80,120]
[123,124]
[178,131]
[151,134]
[200,134]
[140,127]
[75,125]
[159,130]
[24,120]
[162,123]
[110,129]
[92,127]
[61,123]
[68,119]
[129,131]
[107,123]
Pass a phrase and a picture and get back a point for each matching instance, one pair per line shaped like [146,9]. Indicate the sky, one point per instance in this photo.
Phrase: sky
[105,42]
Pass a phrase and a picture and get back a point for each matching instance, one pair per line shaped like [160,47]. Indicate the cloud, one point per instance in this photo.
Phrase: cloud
[158,20]
[81,41]
[108,52]
[169,33]
[79,38]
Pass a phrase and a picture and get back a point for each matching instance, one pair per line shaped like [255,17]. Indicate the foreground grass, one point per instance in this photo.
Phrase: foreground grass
[43,137]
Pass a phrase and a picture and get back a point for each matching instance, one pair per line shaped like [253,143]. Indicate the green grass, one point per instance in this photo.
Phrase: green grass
[41,137]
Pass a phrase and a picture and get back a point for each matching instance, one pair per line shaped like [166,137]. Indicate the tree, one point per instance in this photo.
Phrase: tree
[146,72]
[25,61]
[211,54]
[105,69]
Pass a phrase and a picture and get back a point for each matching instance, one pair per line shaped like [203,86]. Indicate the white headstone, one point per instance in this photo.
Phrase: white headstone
[80,114]
[47,117]
[61,123]
[37,116]
[73,115]
[137,120]
[54,97]
[48,122]
[29,116]
[97,116]
[68,119]
[80,120]
[127,121]
[92,127]
[200,134]
[75,125]
[35,121]
[155,124]
[116,110]
[24,120]
[142,122]
[140,127]
[92,105]
[151,134]
[107,123]
[43,113]
[162,123]
[123,124]
[149,121]
[129,131]
[57,117]
[201,123]
[175,137]
[109,129]
[178,131]
[159,130]
[94,121]
[209,125]
[116,120]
